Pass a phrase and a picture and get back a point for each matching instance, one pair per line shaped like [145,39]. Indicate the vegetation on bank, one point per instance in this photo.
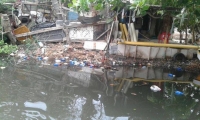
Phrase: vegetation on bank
[184,14]
[5,48]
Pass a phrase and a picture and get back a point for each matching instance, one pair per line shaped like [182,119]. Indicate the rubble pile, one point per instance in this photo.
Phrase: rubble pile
[74,54]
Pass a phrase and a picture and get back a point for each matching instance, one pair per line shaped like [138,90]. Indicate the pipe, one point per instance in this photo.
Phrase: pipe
[150,44]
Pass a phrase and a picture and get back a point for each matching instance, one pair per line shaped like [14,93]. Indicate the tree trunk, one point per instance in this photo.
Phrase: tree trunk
[167,24]
[193,35]
[186,36]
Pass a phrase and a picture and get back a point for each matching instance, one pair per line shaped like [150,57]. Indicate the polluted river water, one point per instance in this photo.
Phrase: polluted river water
[31,91]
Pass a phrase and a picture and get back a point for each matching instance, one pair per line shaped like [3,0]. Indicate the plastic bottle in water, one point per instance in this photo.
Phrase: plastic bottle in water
[179,93]
[171,75]
[56,64]
[179,69]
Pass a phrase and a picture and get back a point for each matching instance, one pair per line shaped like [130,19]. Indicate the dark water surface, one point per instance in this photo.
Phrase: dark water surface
[35,92]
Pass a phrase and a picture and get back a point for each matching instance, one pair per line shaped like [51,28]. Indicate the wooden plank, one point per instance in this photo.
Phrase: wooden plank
[39,31]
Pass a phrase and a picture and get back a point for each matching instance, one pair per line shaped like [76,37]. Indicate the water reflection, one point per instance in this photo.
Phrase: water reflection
[58,93]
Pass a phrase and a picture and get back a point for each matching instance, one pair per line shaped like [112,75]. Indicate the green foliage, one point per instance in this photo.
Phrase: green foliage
[141,7]
[98,5]
[5,8]
[6,49]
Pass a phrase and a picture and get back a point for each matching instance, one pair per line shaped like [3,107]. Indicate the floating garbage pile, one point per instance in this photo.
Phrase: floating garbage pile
[74,54]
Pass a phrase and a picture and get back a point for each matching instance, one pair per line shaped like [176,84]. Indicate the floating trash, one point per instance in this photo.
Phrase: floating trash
[179,93]
[82,64]
[196,100]
[57,61]
[41,44]
[155,88]
[133,94]
[63,59]
[38,105]
[39,58]
[197,113]
[25,57]
[45,58]
[56,64]
[2,68]
[143,67]
[65,63]
[21,55]
[171,75]
[191,111]
[179,69]
[12,54]
[192,95]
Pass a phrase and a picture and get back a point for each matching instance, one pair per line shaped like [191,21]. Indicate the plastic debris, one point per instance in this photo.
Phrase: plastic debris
[12,54]
[171,75]
[91,65]
[76,63]
[57,61]
[197,113]
[56,64]
[65,63]
[45,58]
[2,68]
[39,58]
[43,50]
[40,44]
[191,111]
[196,100]
[179,69]
[38,105]
[63,59]
[133,94]
[25,57]
[71,62]
[143,67]
[82,64]
[155,88]
[179,93]
[21,55]
[192,95]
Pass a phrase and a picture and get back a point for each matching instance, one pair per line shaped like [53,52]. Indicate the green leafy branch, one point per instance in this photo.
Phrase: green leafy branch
[7,49]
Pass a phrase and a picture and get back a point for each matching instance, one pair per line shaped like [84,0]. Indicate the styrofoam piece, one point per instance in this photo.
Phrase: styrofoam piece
[38,105]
